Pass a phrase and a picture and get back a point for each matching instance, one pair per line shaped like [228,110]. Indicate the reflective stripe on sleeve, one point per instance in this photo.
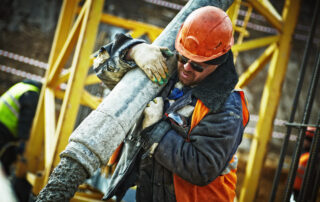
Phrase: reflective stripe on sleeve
[16,102]
[231,166]
[10,107]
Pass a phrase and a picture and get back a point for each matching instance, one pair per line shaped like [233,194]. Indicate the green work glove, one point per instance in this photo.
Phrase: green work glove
[151,59]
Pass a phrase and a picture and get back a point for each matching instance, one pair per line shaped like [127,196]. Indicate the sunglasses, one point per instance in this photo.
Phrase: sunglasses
[184,60]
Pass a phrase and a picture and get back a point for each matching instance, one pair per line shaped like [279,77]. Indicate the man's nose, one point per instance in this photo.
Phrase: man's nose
[188,67]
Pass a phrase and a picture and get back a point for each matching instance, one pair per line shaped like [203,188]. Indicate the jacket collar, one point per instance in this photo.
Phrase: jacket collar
[215,89]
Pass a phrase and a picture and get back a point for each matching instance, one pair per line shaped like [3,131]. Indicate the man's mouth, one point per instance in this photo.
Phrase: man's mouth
[185,74]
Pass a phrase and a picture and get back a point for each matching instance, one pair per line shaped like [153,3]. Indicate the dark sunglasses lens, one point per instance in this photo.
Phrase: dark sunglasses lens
[184,60]
[196,67]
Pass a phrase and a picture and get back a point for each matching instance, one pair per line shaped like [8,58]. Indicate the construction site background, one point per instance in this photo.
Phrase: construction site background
[27,29]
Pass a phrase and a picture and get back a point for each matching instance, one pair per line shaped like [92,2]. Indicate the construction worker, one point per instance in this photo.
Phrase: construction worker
[192,130]
[303,160]
[185,147]
[17,109]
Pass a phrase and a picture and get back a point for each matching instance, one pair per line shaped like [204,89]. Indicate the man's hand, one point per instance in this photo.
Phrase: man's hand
[153,112]
[151,60]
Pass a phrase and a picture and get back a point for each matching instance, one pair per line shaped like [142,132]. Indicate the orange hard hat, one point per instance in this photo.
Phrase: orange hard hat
[205,35]
[310,131]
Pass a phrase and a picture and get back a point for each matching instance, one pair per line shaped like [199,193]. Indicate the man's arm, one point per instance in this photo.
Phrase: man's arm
[28,102]
[111,64]
[211,144]
[125,53]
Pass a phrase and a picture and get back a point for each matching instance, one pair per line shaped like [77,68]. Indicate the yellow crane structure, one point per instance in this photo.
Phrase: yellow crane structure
[75,37]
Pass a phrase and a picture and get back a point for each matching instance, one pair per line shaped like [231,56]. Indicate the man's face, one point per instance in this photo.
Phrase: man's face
[189,76]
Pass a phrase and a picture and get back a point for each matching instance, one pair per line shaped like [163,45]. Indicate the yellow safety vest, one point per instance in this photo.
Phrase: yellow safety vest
[10,106]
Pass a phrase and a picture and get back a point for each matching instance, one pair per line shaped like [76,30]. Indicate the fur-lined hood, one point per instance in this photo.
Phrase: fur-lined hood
[215,89]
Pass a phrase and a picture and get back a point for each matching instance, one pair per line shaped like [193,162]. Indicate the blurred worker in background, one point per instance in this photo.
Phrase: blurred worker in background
[6,192]
[17,109]
[303,161]
[184,149]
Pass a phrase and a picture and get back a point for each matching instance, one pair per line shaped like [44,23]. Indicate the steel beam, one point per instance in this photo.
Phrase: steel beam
[78,74]
[267,10]
[255,43]
[138,28]
[67,48]
[256,66]
[269,104]
[34,160]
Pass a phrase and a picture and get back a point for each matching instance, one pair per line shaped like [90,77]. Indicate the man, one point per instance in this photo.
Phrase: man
[188,150]
[17,109]
[183,149]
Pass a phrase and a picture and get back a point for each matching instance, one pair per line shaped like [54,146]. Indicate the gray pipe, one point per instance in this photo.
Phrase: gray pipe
[95,139]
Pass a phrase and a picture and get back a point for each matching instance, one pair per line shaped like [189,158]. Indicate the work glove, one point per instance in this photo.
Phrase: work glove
[110,64]
[153,112]
[152,60]
[109,70]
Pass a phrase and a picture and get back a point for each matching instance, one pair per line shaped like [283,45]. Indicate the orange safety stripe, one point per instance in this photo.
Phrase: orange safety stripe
[115,155]
[200,110]
[220,189]
[245,111]
[300,172]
